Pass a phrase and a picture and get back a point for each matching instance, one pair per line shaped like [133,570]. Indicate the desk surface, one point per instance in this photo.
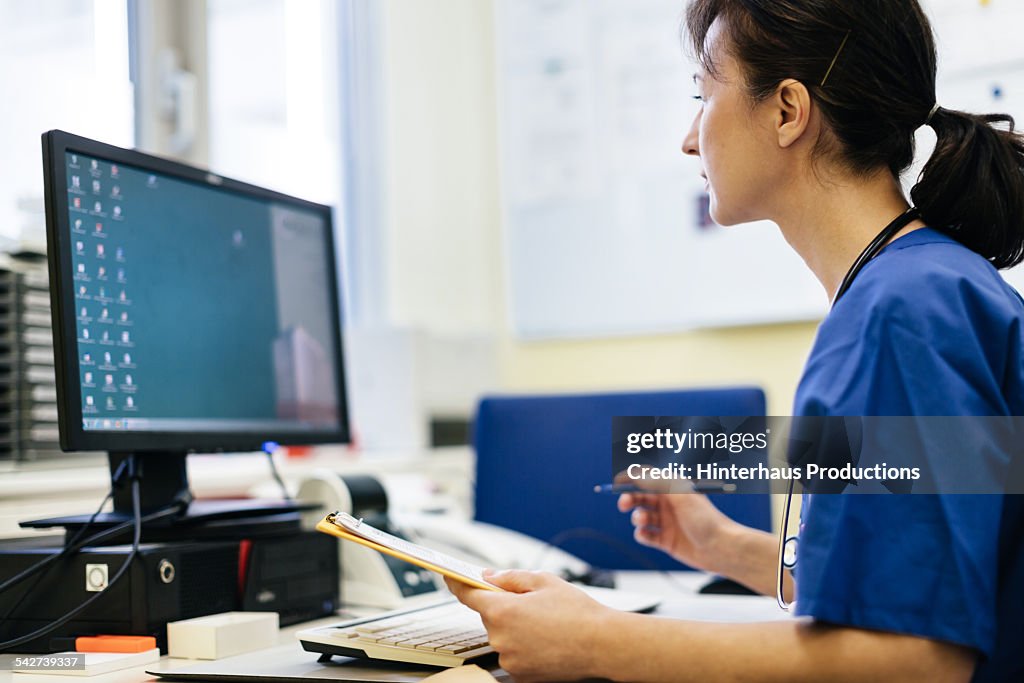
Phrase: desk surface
[678,589]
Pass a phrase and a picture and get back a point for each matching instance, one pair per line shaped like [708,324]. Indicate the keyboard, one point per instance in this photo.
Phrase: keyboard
[444,634]
[447,634]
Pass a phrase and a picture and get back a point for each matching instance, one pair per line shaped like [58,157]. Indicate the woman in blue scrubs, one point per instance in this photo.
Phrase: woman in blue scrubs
[808,114]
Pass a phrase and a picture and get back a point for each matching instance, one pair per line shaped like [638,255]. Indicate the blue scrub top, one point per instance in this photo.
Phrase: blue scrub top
[927,328]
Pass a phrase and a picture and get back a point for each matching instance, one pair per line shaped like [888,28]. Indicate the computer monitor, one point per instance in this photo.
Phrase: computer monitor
[191,312]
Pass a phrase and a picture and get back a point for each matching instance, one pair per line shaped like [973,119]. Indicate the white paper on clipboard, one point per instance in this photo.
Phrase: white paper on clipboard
[410,552]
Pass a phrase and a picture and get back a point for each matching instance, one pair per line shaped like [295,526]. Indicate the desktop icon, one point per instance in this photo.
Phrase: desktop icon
[117,212]
[125,337]
[106,423]
[105,314]
[88,378]
[88,400]
[151,181]
[123,296]
[127,359]
[113,170]
[115,191]
[106,358]
[103,293]
[77,202]
[81,291]
[76,182]
[97,207]
[80,247]
[124,316]
[129,402]
[85,312]
[99,251]
[85,333]
[74,160]
[102,272]
[99,227]
[109,380]
[120,254]
[120,275]
[87,358]
[128,380]
[81,268]
[96,186]
[78,224]
[106,336]
[95,165]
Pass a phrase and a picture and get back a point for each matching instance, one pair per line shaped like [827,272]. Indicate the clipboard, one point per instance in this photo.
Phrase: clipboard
[344,525]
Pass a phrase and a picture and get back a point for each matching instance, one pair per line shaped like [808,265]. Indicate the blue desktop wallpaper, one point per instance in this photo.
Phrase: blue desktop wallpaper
[176,281]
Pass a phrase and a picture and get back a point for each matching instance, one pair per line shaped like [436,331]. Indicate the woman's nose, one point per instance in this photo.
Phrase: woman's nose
[690,144]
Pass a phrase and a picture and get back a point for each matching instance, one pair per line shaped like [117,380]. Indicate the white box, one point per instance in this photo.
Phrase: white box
[222,635]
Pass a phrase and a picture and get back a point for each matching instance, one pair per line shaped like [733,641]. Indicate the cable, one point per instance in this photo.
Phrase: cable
[169,511]
[269,448]
[69,545]
[558,541]
[73,546]
[137,520]
[44,564]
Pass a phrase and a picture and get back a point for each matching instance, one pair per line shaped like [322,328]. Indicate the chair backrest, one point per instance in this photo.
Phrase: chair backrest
[539,457]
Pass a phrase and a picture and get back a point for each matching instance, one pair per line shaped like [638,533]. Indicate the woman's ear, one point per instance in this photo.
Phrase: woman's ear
[791,106]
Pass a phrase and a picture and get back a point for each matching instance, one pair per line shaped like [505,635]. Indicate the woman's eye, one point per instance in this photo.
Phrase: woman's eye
[698,97]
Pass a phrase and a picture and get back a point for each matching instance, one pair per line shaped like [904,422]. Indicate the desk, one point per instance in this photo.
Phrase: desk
[678,590]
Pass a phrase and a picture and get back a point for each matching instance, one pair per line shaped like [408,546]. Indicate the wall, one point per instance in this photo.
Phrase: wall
[770,357]
[442,184]
[444,228]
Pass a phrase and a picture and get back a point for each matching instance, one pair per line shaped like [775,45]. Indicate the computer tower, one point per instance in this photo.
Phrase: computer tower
[296,576]
[166,582]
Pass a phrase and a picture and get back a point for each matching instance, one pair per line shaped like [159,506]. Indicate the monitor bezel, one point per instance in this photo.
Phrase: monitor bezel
[73,436]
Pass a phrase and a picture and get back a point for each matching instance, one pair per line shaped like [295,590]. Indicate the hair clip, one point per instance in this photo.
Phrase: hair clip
[841,46]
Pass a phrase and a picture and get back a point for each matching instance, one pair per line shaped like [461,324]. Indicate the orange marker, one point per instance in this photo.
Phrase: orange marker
[114,643]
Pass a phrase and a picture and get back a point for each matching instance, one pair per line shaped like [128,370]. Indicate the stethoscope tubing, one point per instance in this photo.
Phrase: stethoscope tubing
[788,543]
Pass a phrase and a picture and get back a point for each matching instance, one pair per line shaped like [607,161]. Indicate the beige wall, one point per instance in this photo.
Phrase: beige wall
[770,357]
[443,246]
[444,229]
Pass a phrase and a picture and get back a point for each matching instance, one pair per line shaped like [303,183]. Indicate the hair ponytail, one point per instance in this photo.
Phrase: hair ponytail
[972,187]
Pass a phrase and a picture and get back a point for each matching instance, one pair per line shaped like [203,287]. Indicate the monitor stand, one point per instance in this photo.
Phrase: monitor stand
[163,483]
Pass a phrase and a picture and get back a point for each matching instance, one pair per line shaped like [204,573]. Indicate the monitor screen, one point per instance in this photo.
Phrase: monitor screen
[192,308]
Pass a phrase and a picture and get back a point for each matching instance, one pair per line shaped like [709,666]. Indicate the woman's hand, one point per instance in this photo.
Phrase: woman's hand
[687,526]
[543,628]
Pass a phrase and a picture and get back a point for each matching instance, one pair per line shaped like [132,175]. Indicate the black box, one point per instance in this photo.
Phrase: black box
[296,576]
[166,582]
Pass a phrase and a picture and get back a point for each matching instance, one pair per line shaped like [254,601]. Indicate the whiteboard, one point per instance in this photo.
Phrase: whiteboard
[604,218]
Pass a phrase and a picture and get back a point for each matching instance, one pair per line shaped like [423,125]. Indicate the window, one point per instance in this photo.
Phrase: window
[64,64]
[273,118]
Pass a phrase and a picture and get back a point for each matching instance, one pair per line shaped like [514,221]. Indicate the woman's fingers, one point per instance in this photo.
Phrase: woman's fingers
[627,501]
[646,535]
[645,517]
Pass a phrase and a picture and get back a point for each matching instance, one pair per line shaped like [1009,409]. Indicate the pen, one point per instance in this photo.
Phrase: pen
[700,486]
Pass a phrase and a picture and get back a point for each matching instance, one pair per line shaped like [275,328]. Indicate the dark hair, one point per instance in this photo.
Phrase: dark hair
[870,66]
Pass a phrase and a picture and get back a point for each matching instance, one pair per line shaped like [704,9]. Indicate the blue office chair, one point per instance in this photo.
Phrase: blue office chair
[539,457]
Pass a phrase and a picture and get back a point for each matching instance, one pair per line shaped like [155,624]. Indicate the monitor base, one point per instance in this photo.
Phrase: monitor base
[163,485]
[203,520]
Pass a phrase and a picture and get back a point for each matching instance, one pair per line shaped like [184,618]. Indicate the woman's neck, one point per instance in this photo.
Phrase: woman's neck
[830,226]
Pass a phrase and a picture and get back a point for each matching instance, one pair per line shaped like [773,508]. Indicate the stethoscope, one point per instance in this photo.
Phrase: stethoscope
[788,544]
